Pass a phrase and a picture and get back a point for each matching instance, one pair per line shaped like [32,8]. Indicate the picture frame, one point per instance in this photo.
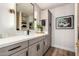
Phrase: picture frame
[65,22]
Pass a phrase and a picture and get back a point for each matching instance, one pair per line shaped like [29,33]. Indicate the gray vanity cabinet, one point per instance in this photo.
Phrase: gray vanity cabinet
[36,49]
[38,46]
[33,47]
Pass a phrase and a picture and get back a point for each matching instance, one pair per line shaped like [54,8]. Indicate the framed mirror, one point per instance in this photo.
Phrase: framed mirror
[24,16]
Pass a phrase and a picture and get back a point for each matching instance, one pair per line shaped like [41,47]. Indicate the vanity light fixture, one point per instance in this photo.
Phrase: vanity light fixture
[12,11]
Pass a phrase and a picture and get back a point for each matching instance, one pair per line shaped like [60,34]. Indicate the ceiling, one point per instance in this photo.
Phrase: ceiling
[49,5]
[28,8]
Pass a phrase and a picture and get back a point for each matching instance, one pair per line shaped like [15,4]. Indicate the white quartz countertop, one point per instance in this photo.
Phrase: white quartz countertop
[16,39]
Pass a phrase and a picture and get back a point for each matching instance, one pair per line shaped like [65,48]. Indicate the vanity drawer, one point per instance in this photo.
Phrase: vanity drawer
[9,50]
[35,40]
[23,52]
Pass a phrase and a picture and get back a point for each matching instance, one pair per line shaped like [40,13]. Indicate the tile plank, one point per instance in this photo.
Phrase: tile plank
[59,52]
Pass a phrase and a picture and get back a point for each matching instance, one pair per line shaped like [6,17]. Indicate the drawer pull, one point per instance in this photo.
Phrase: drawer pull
[38,47]
[44,43]
[26,53]
[14,48]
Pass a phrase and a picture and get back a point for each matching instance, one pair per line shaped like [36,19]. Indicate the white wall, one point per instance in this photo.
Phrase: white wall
[7,22]
[78,15]
[63,38]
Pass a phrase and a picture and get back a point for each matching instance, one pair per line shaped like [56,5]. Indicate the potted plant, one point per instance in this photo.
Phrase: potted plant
[40,28]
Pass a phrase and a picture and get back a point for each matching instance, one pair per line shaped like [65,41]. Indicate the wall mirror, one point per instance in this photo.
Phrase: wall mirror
[24,16]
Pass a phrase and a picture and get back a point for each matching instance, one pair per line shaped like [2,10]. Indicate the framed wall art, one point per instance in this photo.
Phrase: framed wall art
[65,22]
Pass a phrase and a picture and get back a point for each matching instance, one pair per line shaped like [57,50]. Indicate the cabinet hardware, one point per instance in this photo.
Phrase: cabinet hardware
[44,42]
[14,48]
[38,47]
[26,53]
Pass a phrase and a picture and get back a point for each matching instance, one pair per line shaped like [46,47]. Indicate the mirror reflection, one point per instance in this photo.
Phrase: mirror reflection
[24,16]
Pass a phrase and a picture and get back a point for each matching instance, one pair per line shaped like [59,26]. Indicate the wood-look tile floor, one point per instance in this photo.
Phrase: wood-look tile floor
[58,52]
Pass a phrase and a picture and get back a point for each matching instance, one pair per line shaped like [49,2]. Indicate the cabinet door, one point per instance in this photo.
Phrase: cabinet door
[23,52]
[45,44]
[36,49]
[33,50]
[40,48]
[48,41]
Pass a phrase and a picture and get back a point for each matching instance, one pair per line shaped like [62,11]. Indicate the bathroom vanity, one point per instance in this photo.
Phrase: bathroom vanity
[35,45]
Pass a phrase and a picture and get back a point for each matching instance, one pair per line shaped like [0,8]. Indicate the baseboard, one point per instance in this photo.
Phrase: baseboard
[63,48]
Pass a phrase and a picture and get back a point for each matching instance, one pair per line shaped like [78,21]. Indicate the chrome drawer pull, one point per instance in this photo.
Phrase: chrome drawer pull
[14,48]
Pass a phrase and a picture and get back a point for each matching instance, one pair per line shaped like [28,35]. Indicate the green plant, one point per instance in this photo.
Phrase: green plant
[40,27]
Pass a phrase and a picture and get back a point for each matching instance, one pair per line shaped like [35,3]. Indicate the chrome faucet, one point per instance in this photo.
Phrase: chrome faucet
[28,32]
